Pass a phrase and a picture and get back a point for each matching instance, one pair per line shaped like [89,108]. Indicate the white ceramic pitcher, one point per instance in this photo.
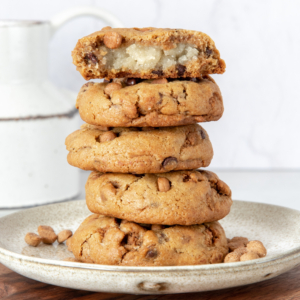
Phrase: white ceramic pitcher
[35,116]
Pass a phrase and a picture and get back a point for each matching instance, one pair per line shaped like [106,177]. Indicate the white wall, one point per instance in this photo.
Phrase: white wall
[259,41]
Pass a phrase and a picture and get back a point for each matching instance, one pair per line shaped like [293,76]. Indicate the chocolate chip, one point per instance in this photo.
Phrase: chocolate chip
[170,163]
[112,87]
[181,70]
[162,238]
[160,99]
[186,177]
[208,51]
[194,79]
[130,81]
[154,204]
[151,254]
[91,57]
[158,72]
[203,135]
[186,239]
[107,80]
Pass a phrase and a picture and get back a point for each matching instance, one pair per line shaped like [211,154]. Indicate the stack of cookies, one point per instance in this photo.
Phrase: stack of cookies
[151,205]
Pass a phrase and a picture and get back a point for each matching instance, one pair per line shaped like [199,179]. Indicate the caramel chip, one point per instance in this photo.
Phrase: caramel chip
[159,81]
[112,87]
[112,40]
[107,136]
[47,234]
[64,235]
[32,239]
[163,184]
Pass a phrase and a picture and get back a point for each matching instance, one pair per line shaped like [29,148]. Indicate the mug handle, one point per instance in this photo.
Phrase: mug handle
[67,15]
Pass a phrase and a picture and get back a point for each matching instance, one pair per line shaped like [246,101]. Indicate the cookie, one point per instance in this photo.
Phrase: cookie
[180,197]
[153,103]
[139,150]
[110,241]
[146,53]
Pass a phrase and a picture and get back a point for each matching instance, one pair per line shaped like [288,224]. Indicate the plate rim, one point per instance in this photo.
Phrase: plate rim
[286,256]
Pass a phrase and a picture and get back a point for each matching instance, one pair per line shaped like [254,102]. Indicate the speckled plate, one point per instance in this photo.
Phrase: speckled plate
[277,227]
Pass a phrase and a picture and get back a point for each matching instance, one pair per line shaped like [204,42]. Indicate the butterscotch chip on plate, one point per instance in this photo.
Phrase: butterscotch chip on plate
[243,250]
[146,53]
[110,241]
[237,242]
[249,256]
[134,150]
[47,234]
[32,239]
[64,235]
[180,197]
[147,103]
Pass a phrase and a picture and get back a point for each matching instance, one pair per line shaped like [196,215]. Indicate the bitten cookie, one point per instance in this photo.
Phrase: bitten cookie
[146,53]
[154,103]
[139,150]
[180,197]
[109,241]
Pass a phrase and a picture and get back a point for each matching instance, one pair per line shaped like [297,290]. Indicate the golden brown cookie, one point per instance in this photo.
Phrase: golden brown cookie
[180,197]
[109,241]
[139,150]
[146,53]
[150,103]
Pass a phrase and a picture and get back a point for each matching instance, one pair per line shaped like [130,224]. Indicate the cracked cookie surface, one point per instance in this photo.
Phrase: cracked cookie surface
[109,241]
[190,197]
[144,104]
[146,53]
[139,150]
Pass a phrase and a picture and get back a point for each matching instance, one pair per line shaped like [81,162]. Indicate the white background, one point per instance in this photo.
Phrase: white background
[259,41]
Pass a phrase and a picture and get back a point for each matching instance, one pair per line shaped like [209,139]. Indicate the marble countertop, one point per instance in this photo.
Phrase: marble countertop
[273,187]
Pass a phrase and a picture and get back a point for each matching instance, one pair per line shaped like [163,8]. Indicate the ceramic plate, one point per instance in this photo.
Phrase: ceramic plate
[277,227]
